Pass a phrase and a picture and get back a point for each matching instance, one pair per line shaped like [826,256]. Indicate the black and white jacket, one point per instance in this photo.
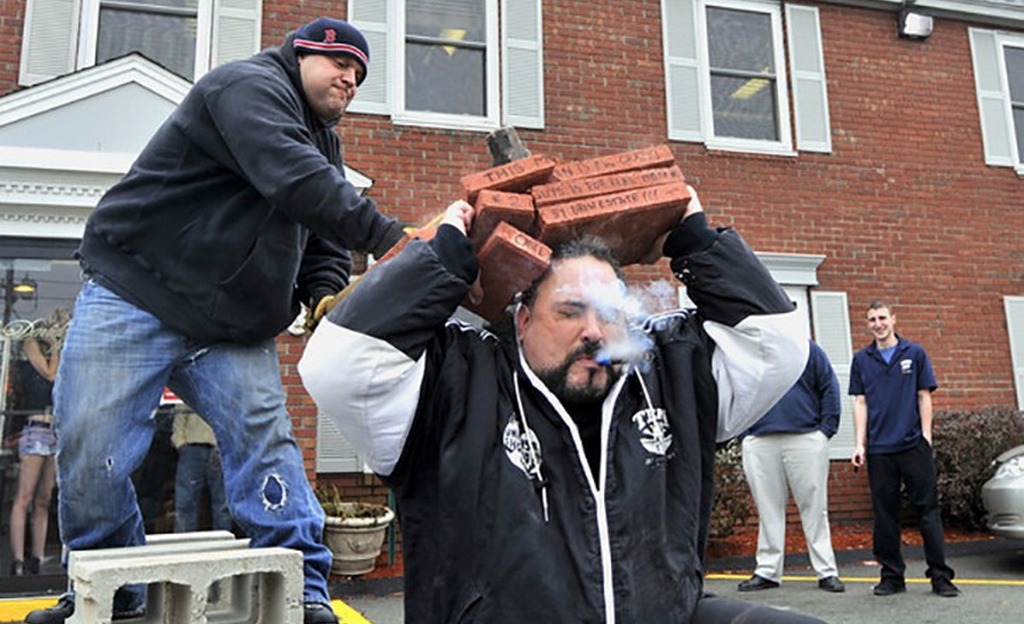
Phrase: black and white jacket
[502,518]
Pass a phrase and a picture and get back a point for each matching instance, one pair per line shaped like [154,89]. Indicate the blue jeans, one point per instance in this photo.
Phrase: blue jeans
[199,468]
[115,363]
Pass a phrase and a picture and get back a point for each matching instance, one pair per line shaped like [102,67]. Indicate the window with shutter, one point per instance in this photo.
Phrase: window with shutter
[726,80]
[452,63]
[999,83]
[187,37]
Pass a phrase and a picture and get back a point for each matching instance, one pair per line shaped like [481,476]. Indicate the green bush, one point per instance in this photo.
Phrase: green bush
[731,504]
[965,444]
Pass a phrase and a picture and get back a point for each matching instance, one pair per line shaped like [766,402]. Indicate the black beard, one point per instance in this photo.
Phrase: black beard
[557,379]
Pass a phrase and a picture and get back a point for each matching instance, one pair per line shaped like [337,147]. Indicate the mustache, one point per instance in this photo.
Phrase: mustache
[588,350]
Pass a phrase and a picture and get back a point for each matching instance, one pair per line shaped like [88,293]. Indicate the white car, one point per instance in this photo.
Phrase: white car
[1003,495]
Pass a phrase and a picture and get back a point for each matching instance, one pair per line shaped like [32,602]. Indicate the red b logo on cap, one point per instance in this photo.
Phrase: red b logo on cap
[330,35]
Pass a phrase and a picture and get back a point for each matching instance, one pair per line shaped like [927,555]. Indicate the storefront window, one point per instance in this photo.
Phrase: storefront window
[38,295]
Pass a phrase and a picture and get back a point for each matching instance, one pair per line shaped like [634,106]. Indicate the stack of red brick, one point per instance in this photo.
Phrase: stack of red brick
[527,206]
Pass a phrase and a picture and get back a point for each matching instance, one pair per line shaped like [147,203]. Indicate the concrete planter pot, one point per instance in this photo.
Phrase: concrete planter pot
[356,536]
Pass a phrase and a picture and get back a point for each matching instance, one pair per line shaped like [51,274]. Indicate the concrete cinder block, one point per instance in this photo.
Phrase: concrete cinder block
[195,581]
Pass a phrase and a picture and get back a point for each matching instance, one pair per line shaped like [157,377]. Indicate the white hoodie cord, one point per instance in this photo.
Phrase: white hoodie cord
[643,386]
[527,434]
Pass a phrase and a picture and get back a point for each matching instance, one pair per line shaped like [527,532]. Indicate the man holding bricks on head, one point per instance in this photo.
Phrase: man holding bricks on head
[235,213]
[892,382]
[542,475]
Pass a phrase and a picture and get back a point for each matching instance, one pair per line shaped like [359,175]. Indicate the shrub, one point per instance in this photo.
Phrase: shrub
[731,504]
[965,444]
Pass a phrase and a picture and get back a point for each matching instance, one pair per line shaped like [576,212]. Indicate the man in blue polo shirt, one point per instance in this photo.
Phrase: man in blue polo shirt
[891,381]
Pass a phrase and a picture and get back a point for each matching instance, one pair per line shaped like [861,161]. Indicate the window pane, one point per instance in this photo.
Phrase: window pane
[168,39]
[457,20]
[743,80]
[740,40]
[744,108]
[444,79]
[1015,73]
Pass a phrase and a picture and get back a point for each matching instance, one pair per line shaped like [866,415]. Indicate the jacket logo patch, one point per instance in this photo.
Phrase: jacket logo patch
[522,448]
[907,366]
[655,435]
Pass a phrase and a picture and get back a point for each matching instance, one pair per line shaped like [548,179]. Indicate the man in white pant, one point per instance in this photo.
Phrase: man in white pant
[789,446]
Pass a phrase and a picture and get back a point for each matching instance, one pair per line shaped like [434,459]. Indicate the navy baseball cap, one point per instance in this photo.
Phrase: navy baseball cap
[333,37]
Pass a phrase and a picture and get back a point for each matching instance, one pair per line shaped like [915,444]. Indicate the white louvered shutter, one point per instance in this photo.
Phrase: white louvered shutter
[333,451]
[810,90]
[996,129]
[682,76]
[522,66]
[49,41]
[1015,328]
[831,322]
[236,30]
[372,18]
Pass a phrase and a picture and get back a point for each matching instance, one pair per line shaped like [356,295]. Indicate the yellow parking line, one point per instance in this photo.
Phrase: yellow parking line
[862,579]
[14,610]
[346,614]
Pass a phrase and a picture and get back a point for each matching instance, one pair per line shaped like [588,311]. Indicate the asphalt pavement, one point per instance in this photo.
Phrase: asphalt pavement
[989,573]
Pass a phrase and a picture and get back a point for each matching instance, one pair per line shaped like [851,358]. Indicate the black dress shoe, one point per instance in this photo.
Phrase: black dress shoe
[944,587]
[888,587]
[832,584]
[756,583]
[56,614]
[318,613]
[65,608]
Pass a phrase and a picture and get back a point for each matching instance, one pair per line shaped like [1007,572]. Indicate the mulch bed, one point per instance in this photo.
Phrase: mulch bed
[844,537]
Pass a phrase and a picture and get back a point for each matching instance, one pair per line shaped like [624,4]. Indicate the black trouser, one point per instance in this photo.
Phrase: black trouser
[915,469]
[714,610]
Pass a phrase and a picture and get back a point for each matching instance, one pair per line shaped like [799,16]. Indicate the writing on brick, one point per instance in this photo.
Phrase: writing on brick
[531,245]
[618,201]
[623,161]
[585,187]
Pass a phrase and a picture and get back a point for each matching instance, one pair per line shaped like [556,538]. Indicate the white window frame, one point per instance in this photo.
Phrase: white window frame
[402,116]
[784,146]
[89,24]
[514,66]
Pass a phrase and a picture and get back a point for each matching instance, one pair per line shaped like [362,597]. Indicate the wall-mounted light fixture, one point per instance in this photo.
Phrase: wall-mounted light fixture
[911,24]
[13,291]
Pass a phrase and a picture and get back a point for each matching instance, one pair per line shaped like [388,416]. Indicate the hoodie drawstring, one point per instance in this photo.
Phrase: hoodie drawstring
[540,483]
